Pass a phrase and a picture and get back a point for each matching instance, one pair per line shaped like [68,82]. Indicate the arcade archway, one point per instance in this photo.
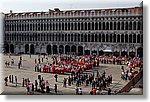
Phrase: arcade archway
[67,49]
[61,49]
[132,54]
[26,48]
[87,52]
[140,52]
[55,49]
[80,50]
[94,52]
[48,49]
[31,49]
[124,53]
[73,49]
[116,53]
[6,48]
[101,53]
[12,48]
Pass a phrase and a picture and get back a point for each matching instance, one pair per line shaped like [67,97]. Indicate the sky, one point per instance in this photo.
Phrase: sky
[44,5]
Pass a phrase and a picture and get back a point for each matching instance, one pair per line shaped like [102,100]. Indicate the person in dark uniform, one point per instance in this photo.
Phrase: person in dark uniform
[32,88]
[55,87]
[23,82]
[16,80]
[56,76]
[109,91]
[6,80]
[10,78]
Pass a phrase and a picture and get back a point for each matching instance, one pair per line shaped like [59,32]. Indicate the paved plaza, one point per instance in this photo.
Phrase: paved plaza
[27,71]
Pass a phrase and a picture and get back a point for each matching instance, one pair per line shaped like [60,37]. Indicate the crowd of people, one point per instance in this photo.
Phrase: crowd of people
[97,82]
[77,66]
[10,79]
[12,62]
[40,85]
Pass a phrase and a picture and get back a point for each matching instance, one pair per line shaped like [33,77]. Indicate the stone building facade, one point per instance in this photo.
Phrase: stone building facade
[117,31]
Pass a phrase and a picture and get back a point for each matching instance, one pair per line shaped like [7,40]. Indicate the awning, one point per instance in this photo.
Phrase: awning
[108,49]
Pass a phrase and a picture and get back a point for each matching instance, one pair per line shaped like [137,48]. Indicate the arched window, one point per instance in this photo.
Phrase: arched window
[68,26]
[100,26]
[110,37]
[122,38]
[107,40]
[62,26]
[103,25]
[53,26]
[118,26]
[134,38]
[72,26]
[78,37]
[59,26]
[89,38]
[78,25]
[114,38]
[126,38]
[62,37]
[142,38]
[89,26]
[75,37]
[68,37]
[85,37]
[99,37]
[71,37]
[96,26]
[65,37]
[96,37]
[111,26]
[122,26]
[107,26]
[118,38]
[138,25]
[138,38]
[75,25]
[130,25]
[50,26]
[134,25]
[82,28]
[92,38]
[126,26]
[92,25]
[85,25]
[81,37]
[103,38]
[114,25]
[130,38]
[141,25]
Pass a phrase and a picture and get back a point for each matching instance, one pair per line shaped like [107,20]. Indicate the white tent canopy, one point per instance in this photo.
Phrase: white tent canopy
[108,49]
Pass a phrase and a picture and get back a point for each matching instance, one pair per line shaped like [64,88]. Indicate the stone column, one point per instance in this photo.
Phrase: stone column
[64,49]
[77,50]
